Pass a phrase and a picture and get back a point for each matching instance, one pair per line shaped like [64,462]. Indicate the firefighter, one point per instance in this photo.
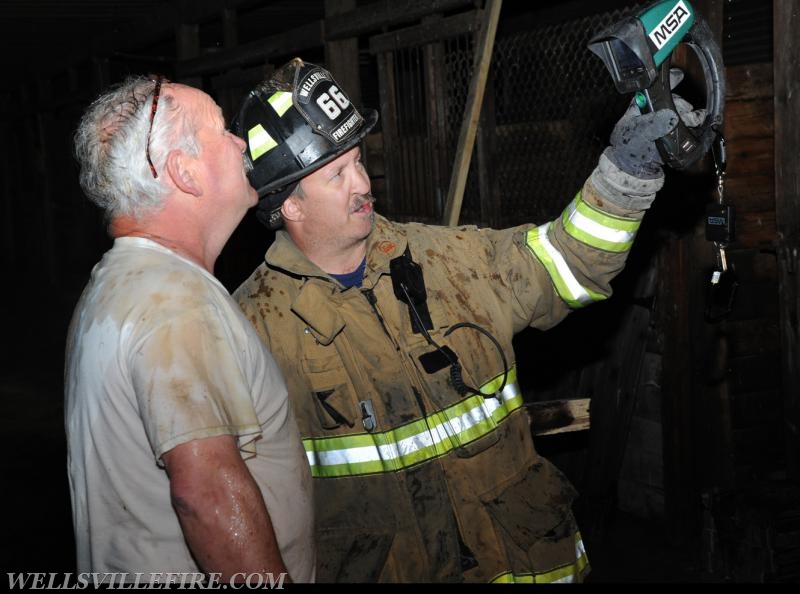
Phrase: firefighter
[396,343]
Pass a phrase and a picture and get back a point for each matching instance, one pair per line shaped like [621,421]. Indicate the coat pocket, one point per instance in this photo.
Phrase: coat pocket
[352,556]
[330,393]
[533,516]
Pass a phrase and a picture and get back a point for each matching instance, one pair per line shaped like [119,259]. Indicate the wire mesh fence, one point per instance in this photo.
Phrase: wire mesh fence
[548,110]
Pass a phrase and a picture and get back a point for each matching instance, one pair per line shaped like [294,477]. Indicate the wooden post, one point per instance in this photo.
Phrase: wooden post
[387,90]
[341,56]
[786,15]
[679,490]
[489,188]
[683,285]
[434,68]
[466,139]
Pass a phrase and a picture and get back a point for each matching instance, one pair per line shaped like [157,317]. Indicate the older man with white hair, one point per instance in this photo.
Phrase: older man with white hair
[184,454]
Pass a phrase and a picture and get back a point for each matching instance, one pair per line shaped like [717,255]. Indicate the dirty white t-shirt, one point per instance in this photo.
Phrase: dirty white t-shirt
[159,354]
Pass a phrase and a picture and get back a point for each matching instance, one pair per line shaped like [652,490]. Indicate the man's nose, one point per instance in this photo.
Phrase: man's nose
[361,185]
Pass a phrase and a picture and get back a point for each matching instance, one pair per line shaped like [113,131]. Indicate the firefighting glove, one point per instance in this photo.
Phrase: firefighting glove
[633,148]
[630,170]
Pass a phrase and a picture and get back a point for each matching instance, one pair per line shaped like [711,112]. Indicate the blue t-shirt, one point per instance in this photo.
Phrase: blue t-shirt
[352,279]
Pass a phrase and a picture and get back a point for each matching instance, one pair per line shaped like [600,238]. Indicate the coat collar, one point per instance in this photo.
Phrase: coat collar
[386,241]
[320,297]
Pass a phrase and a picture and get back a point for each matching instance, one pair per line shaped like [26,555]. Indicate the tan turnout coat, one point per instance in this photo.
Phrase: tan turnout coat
[414,481]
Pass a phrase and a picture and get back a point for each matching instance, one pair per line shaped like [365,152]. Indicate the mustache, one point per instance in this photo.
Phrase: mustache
[364,199]
[361,200]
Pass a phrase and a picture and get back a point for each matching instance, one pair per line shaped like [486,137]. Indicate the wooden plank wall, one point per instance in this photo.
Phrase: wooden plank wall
[787,196]
[722,409]
[751,334]
[722,390]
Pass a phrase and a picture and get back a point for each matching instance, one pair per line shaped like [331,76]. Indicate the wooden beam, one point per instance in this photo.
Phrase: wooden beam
[289,42]
[472,112]
[154,28]
[385,13]
[162,22]
[426,33]
[558,416]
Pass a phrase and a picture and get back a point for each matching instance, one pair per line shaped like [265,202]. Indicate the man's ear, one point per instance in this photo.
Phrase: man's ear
[179,169]
[292,209]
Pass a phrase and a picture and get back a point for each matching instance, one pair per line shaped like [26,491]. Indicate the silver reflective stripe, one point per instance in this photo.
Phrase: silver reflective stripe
[565,283]
[416,442]
[599,229]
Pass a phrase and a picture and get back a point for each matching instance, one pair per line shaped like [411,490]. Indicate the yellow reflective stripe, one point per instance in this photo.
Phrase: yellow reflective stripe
[598,229]
[416,442]
[571,572]
[280,102]
[259,141]
[565,283]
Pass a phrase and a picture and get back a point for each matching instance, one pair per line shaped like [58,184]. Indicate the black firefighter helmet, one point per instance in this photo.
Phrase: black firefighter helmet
[294,123]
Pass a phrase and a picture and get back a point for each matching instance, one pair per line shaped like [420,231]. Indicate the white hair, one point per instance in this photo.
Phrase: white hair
[111,147]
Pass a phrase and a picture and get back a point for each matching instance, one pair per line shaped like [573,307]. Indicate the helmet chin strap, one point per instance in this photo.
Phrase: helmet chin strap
[270,218]
[268,211]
